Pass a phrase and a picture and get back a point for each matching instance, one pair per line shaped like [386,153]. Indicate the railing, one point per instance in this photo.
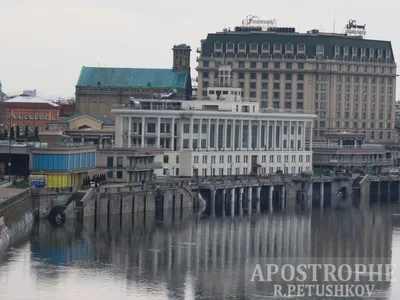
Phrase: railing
[139,166]
[5,204]
[347,147]
[146,147]
[44,145]
[352,161]
[221,99]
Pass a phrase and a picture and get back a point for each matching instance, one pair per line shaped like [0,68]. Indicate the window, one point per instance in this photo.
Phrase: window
[119,175]
[300,66]
[110,162]
[218,47]
[289,49]
[120,162]
[277,48]
[301,49]
[177,159]
[230,48]
[110,174]
[242,48]
[320,50]
[253,48]
[166,159]
[265,49]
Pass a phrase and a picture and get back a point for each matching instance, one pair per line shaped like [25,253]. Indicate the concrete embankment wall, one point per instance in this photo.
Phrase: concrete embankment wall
[16,224]
[122,200]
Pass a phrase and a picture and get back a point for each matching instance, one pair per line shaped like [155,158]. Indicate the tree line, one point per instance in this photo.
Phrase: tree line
[16,134]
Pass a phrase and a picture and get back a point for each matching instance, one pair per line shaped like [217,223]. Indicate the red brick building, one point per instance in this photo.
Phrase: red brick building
[28,111]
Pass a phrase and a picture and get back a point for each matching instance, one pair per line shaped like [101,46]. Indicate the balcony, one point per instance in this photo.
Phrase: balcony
[347,147]
[354,161]
[145,166]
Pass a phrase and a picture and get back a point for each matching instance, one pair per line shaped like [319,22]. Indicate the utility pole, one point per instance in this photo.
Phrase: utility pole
[9,151]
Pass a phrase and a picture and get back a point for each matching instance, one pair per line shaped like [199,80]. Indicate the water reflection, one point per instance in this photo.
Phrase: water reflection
[140,258]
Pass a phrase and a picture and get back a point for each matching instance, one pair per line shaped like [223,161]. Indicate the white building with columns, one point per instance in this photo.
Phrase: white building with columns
[222,134]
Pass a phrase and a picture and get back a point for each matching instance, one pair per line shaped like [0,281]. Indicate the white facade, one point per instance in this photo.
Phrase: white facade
[217,137]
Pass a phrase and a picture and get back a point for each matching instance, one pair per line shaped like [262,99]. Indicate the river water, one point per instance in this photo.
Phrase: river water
[197,258]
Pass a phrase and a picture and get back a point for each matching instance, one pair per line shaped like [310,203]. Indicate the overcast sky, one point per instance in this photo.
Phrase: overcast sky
[46,42]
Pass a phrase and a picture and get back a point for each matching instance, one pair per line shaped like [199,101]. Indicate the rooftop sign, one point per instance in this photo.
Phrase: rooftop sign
[252,20]
[353,29]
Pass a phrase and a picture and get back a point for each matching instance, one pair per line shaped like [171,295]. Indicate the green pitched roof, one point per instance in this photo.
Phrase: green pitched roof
[329,41]
[103,119]
[132,78]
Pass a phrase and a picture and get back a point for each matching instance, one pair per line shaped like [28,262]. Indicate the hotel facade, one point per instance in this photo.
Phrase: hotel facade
[349,81]
[223,135]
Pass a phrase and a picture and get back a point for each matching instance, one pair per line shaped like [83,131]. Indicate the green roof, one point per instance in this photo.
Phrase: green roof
[106,121]
[329,41]
[132,78]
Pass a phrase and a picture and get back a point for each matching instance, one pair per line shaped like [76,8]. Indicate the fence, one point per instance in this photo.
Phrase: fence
[4,205]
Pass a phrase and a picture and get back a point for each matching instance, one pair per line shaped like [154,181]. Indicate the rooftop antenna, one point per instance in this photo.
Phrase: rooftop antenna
[334,19]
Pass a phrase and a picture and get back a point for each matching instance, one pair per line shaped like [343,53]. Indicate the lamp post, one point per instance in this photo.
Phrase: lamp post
[9,152]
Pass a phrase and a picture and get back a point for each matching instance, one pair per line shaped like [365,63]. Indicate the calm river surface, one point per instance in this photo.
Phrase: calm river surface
[205,258]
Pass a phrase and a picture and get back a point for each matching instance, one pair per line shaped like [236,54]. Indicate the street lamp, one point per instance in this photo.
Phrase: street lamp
[9,153]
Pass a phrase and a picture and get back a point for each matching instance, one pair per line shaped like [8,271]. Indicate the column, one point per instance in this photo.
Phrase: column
[274,136]
[213,193]
[122,131]
[191,133]
[289,137]
[173,134]
[283,197]
[322,195]
[225,133]
[281,135]
[267,135]
[241,201]
[310,195]
[311,134]
[129,132]
[296,134]
[181,135]
[233,129]
[249,137]
[208,135]
[223,201]
[158,131]
[199,136]
[216,145]
[249,199]
[379,191]
[303,136]
[241,135]
[271,193]
[258,200]
[232,204]
[143,126]
[259,135]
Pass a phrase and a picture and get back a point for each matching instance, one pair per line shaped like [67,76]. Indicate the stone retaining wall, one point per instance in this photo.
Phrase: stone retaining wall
[116,201]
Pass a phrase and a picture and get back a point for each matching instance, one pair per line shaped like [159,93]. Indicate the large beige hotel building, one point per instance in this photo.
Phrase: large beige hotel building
[349,81]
